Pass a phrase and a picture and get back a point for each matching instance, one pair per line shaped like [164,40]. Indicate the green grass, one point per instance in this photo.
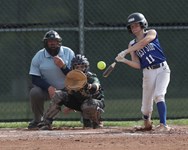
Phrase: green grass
[115,109]
[106,123]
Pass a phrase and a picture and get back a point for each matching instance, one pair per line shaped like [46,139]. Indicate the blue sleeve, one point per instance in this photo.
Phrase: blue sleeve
[38,81]
[34,68]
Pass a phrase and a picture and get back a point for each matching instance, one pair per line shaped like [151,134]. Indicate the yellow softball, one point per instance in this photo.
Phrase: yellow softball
[101,65]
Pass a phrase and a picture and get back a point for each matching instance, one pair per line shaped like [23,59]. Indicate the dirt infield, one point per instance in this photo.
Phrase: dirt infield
[114,138]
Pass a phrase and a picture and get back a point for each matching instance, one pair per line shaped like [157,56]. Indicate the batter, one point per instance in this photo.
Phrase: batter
[147,54]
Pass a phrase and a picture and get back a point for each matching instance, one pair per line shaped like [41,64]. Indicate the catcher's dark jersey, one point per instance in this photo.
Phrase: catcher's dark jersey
[76,98]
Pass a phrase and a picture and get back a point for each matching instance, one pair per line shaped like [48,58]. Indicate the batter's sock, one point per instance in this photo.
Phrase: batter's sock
[161,107]
[145,117]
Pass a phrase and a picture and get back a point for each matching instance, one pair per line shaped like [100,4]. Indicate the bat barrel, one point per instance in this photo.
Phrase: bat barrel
[108,71]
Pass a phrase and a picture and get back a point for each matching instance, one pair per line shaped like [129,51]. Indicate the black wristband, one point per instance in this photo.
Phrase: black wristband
[65,70]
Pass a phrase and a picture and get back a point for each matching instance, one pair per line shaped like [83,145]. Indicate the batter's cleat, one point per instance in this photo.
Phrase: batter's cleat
[33,125]
[162,128]
[147,126]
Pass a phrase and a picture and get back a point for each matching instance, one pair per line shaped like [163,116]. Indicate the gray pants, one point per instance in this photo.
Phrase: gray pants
[37,99]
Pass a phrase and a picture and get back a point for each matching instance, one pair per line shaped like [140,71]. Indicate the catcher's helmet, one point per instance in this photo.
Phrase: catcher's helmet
[136,18]
[80,60]
[53,35]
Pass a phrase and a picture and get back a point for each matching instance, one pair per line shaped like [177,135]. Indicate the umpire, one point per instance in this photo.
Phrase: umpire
[48,69]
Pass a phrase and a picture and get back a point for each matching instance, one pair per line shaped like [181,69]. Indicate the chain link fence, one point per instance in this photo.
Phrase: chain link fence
[98,30]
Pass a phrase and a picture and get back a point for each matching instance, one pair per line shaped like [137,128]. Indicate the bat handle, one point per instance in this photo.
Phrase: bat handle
[113,64]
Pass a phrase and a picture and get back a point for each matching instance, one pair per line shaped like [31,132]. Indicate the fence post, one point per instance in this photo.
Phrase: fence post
[81,26]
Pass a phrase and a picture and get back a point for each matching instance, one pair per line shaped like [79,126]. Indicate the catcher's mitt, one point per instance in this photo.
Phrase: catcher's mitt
[75,80]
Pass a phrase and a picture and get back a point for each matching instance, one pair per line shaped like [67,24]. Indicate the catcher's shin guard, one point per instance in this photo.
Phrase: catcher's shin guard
[55,106]
[52,111]
[87,123]
[92,111]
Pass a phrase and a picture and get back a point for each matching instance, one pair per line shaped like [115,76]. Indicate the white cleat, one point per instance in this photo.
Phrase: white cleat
[162,128]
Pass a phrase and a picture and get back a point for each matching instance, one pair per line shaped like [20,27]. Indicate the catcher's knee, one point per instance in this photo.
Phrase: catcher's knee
[90,104]
[60,96]
[159,98]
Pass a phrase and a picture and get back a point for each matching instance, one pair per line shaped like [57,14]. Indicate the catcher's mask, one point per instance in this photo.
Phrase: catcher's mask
[53,49]
[80,62]
[136,18]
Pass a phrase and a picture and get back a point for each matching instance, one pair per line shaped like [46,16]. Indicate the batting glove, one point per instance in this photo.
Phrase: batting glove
[120,59]
[122,53]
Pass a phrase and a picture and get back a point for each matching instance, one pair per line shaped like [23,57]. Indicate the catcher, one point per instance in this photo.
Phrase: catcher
[82,93]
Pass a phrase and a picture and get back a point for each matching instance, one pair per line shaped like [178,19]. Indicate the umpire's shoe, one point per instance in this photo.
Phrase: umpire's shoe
[33,125]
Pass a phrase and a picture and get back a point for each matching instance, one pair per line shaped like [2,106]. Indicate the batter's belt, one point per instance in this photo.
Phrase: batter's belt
[155,66]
